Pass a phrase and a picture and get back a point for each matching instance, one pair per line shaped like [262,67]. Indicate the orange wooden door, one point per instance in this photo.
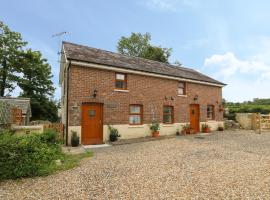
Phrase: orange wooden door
[194,113]
[92,123]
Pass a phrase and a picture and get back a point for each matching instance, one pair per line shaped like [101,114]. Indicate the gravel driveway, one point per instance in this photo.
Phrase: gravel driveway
[224,165]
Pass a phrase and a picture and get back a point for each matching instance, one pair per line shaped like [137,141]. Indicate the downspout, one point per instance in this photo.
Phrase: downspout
[67,88]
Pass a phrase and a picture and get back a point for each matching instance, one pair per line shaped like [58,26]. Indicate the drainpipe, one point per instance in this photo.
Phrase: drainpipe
[67,88]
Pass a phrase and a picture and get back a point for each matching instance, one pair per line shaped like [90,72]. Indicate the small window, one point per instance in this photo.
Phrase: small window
[120,81]
[167,114]
[210,112]
[135,114]
[181,88]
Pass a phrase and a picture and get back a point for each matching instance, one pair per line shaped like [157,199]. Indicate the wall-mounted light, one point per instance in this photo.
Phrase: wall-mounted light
[196,98]
[95,93]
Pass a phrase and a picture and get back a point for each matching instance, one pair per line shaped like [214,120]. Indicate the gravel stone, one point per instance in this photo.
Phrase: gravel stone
[223,165]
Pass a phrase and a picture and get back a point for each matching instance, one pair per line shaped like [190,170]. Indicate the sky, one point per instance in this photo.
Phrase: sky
[228,40]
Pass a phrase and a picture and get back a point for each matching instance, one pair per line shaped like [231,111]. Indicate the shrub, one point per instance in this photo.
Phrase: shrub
[75,139]
[27,155]
[113,133]
[154,127]
[49,136]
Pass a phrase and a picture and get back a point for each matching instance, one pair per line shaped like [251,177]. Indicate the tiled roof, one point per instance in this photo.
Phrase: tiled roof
[98,56]
[22,103]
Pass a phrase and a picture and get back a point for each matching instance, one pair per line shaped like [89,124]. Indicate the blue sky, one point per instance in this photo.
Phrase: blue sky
[228,40]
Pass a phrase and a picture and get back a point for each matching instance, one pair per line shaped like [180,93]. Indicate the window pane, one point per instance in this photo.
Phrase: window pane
[167,119]
[135,109]
[180,91]
[167,109]
[210,112]
[134,119]
[181,85]
[120,84]
[120,77]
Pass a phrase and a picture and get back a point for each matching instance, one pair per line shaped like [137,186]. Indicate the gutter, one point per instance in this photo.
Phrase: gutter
[67,88]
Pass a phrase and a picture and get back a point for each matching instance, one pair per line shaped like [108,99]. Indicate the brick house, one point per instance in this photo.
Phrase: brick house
[100,88]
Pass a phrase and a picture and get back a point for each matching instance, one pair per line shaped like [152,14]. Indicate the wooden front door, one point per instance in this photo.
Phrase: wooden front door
[92,123]
[194,113]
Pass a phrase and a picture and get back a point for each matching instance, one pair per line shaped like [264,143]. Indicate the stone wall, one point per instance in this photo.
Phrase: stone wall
[5,113]
[245,120]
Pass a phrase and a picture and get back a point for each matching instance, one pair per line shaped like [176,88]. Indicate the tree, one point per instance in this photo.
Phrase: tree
[138,45]
[11,45]
[36,84]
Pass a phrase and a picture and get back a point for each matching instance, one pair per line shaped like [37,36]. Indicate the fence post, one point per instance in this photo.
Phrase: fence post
[260,125]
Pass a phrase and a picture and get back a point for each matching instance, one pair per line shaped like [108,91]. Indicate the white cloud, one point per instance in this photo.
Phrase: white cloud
[246,79]
[228,65]
[169,5]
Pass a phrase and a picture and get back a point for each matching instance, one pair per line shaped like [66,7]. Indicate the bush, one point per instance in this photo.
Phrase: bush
[154,127]
[75,139]
[113,133]
[49,136]
[27,155]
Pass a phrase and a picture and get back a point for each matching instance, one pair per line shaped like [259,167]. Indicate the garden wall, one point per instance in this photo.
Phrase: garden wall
[245,120]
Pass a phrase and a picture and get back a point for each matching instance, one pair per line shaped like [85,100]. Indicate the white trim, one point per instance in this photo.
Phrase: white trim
[117,90]
[136,126]
[98,66]
[181,95]
[168,125]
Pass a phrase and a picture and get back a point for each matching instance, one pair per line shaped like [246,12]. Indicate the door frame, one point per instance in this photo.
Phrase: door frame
[199,115]
[101,110]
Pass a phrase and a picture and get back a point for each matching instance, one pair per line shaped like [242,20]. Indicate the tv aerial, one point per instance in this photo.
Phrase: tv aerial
[59,36]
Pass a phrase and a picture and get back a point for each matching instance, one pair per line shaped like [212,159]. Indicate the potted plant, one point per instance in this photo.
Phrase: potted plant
[113,133]
[154,127]
[220,127]
[75,139]
[206,128]
[186,129]
[177,132]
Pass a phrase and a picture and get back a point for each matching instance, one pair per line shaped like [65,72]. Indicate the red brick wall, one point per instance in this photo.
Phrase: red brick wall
[145,90]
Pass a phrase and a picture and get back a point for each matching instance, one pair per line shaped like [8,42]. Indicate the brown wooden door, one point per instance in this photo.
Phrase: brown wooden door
[194,113]
[92,123]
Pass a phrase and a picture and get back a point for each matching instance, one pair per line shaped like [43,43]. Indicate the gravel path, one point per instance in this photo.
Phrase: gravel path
[225,165]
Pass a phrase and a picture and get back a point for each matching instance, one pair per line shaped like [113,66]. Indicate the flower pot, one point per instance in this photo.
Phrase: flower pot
[155,134]
[186,131]
[220,128]
[206,130]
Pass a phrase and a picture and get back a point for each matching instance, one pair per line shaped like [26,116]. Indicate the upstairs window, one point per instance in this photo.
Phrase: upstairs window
[120,81]
[210,112]
[167,114]
[135,114]
[181,88]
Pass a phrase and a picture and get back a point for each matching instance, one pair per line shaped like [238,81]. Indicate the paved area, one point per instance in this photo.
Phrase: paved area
[224,165]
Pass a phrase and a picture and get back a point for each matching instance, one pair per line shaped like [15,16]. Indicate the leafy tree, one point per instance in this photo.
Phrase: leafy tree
[28,70]
[36,84]
[138,45]
[11,45]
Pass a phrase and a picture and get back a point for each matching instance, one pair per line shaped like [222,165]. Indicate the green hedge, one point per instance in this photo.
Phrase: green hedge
[28,155]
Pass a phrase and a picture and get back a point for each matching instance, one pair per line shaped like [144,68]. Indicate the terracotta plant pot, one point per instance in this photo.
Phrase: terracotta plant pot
[155,134]
[206,130]
[186,131]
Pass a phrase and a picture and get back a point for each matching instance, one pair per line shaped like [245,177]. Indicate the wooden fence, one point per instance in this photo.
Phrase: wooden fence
[261,122]
[58,127]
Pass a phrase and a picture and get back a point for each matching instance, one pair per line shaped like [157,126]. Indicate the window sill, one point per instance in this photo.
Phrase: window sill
[167,125]
[118,90]
[182,95]
[136,126]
